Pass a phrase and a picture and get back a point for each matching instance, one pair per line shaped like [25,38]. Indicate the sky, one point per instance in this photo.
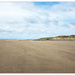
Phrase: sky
[33,20]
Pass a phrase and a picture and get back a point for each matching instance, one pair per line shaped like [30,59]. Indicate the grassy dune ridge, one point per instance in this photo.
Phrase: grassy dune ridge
[59,38]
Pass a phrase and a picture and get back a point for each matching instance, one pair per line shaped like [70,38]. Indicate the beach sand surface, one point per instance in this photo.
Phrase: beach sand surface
[21,56]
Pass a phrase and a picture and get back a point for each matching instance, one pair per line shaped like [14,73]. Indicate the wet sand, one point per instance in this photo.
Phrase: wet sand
[19,56]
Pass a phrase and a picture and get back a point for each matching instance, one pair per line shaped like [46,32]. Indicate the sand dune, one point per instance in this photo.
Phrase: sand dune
[17,56]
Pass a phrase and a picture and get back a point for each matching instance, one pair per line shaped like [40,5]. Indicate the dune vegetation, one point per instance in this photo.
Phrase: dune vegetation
[71,37]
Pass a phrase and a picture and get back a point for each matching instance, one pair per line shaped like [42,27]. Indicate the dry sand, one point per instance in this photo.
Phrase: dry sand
[19,56]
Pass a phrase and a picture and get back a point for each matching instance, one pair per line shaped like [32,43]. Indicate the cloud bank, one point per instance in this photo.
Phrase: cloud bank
[32,20]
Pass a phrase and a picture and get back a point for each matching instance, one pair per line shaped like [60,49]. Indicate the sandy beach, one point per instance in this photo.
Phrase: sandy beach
[21,56]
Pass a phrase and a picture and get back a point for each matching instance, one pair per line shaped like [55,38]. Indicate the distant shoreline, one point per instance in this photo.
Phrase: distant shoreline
[57,38]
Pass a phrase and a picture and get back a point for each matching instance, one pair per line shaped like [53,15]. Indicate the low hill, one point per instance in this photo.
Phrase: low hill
[59,38]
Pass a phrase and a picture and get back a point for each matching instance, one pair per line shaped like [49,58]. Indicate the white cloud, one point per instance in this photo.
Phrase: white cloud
[28,18]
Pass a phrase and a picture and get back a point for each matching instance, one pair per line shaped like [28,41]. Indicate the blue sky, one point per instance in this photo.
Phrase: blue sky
[46,3]
[33,20]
